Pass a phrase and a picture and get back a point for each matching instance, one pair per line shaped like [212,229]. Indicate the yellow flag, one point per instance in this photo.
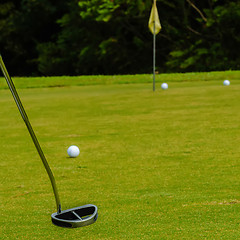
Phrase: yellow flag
[154,19]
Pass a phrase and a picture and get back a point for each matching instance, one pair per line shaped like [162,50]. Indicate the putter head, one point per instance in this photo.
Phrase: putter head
[76,217]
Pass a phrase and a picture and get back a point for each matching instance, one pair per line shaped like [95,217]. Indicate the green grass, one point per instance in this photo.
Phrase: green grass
[63,81]
[161,165]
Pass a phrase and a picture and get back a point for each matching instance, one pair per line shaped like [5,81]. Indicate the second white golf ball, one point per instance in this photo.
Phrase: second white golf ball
[73,151]
[226,82]
[164,86]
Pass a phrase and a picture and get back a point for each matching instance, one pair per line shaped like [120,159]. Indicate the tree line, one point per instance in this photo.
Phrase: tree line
[82,37]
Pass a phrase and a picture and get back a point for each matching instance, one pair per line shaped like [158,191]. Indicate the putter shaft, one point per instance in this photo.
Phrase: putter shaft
[30,130]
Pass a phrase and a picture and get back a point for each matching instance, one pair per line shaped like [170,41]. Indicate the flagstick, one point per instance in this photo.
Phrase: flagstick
[154,55]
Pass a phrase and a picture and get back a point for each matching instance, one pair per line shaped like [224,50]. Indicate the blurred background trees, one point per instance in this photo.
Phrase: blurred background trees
[76,37]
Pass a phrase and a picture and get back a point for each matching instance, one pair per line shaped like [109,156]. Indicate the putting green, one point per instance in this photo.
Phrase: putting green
[161,165]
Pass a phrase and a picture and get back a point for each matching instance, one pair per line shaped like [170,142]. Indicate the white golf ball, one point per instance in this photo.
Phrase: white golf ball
[164,86]
[73,151]
[226,82]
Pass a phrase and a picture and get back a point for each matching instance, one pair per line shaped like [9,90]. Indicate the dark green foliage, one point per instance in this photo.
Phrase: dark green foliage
[26,24]
[112,37]
[107,39]
[212,42]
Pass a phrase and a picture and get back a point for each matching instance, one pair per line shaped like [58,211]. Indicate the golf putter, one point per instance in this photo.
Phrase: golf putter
[71,218]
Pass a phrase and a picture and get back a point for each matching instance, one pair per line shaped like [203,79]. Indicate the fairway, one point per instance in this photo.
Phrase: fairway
[158,165]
